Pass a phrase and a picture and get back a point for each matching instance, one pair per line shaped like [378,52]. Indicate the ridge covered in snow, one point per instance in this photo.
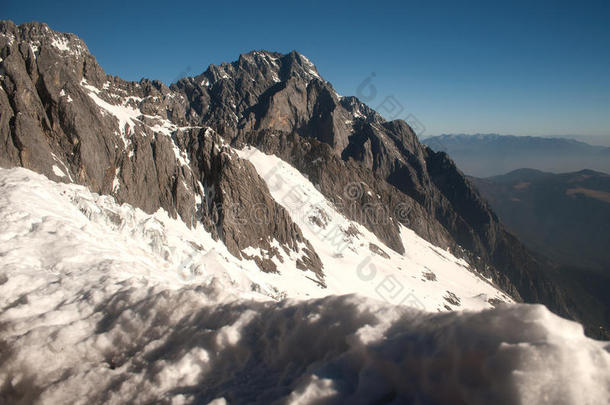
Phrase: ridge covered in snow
[356,261]
[102,303]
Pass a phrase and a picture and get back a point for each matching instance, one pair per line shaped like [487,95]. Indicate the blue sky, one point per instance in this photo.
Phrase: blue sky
[535,68]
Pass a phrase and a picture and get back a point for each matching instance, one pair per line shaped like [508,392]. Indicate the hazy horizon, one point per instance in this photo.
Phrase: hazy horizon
[592,140]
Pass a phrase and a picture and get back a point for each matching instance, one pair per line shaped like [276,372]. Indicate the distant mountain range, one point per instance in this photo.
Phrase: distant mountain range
[564,217]
[484,155]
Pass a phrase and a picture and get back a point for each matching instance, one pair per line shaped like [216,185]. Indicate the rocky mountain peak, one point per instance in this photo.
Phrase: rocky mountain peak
[269,90]
[38,34]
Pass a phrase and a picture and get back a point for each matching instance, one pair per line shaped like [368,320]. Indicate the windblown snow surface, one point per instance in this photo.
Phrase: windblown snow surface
[102,303]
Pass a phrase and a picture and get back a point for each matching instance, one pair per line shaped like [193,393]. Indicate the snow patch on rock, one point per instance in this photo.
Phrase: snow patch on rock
[127,116]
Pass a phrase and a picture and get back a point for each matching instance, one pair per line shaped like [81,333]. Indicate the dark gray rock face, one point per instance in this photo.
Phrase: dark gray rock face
[355,191]
[159,147]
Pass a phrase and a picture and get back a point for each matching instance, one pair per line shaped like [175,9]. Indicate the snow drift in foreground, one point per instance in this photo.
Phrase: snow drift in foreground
[88,315]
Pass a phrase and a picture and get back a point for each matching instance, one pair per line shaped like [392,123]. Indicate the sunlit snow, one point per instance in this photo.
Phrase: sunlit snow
[351,266]
[103,303]
[126,115]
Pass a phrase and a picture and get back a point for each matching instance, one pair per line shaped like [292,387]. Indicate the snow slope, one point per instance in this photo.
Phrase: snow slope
[102,303]
[426,276]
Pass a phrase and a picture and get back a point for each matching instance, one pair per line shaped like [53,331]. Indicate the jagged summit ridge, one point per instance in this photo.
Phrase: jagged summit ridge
[39,34]
[271,90]
[261,65]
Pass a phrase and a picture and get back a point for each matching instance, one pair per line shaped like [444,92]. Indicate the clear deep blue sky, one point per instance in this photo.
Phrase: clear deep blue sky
[520,68]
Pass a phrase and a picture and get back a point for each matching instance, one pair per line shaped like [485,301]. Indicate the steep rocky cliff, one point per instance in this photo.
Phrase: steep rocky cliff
[62,116]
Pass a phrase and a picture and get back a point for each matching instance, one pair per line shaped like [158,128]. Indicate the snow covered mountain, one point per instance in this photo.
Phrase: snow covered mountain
[196,242]
[103,303]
